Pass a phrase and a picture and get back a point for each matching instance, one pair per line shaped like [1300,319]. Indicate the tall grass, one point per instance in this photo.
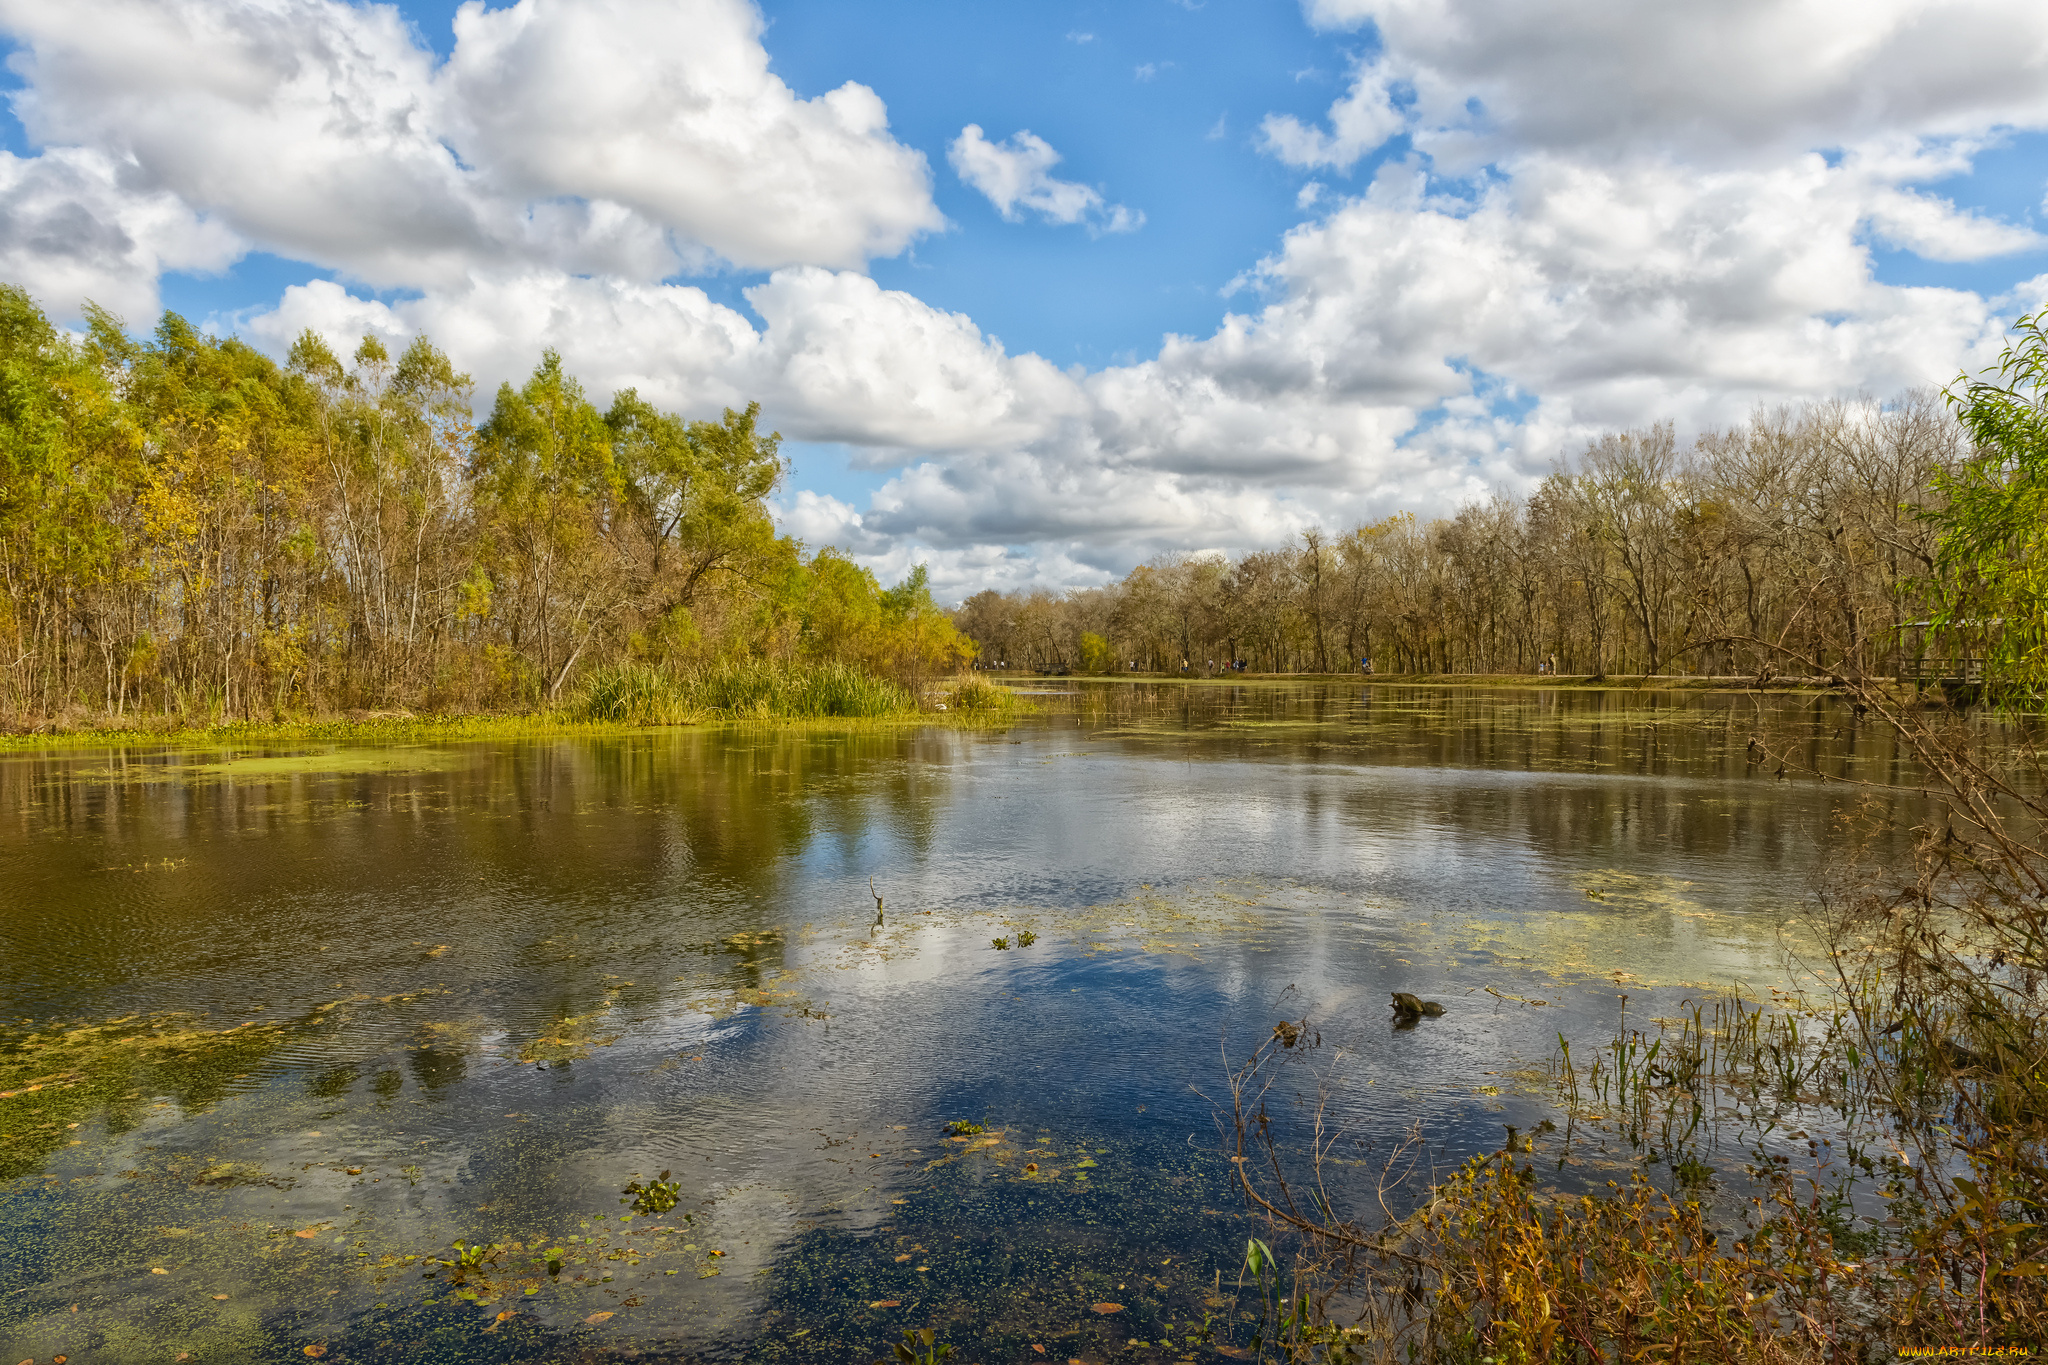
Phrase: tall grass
[756,687]
[737,690]
[633,694]
[981,697]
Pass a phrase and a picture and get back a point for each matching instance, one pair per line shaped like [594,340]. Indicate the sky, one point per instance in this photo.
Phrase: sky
[1035,293]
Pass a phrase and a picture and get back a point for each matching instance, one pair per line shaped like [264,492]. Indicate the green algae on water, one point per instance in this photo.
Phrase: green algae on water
[54,1080]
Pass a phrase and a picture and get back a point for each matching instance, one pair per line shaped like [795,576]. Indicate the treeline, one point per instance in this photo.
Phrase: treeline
[188,528]
[1795,542]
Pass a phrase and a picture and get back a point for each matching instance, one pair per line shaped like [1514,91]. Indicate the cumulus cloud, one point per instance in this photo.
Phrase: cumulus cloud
[622,137]
[71,230]
[1360,122]
[669,109]
[1408,350]
[1016,173]
[1702,81]
[1595,218]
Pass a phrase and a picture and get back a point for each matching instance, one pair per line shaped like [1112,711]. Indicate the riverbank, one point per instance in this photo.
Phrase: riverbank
[1612,682]
[391,727]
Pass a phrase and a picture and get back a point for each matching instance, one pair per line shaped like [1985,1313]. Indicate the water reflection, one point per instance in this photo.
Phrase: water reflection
[487,984]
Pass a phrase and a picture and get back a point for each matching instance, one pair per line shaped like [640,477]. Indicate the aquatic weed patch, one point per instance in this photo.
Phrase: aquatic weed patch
[54,1081]
[1023,1242]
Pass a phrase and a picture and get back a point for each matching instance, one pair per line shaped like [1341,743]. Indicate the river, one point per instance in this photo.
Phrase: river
[302,1017]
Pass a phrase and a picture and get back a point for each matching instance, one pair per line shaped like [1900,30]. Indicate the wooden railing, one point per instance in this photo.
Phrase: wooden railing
[1932,670]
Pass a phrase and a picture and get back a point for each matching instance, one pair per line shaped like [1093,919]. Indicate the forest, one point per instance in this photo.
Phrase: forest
[190,529]
[1802,541]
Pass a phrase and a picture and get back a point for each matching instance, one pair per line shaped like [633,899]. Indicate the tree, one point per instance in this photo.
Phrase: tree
[1992,552]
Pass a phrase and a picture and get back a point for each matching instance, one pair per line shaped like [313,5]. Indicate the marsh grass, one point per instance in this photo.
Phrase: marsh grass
[369,729]
[1715,1241]
[612,699]
[759,689]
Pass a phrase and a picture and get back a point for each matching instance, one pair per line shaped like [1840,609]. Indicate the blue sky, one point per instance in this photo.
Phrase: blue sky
[1523,223]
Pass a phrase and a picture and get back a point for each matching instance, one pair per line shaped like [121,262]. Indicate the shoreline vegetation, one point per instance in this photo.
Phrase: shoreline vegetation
[190,529]
[1852,1173]
[623,701]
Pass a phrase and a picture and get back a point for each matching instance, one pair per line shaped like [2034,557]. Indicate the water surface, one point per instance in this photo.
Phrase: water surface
[477,988]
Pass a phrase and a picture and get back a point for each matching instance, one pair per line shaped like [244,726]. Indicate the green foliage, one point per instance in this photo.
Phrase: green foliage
[975,694]
[194,534]
[1993,548]
[1096,655]
[919,1348]
[470,1258]
[658,1195]
[632,694]
[963,1128]
[757,688]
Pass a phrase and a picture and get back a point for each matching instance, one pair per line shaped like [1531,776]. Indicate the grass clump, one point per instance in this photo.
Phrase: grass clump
[982,697]
[756,688]
[633,694]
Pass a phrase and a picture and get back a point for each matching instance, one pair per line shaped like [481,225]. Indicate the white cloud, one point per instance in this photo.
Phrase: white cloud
[71,231]
[1360,122]
[1016,173]
[669,108]
[1364,383]
[622,137]
[1710,81]
[1935,229]
[1607,217]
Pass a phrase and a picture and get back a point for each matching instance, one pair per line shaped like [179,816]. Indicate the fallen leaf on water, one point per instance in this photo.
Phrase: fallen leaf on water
[355,1170]
[436,952]
[219,1297]
[316,1351]
[597,1317]
[886,1303]
[307,1232]
[904,1257]
[508,1313]
[182,1355]
[1234,1352]
[1107,1308]
[158,1270]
